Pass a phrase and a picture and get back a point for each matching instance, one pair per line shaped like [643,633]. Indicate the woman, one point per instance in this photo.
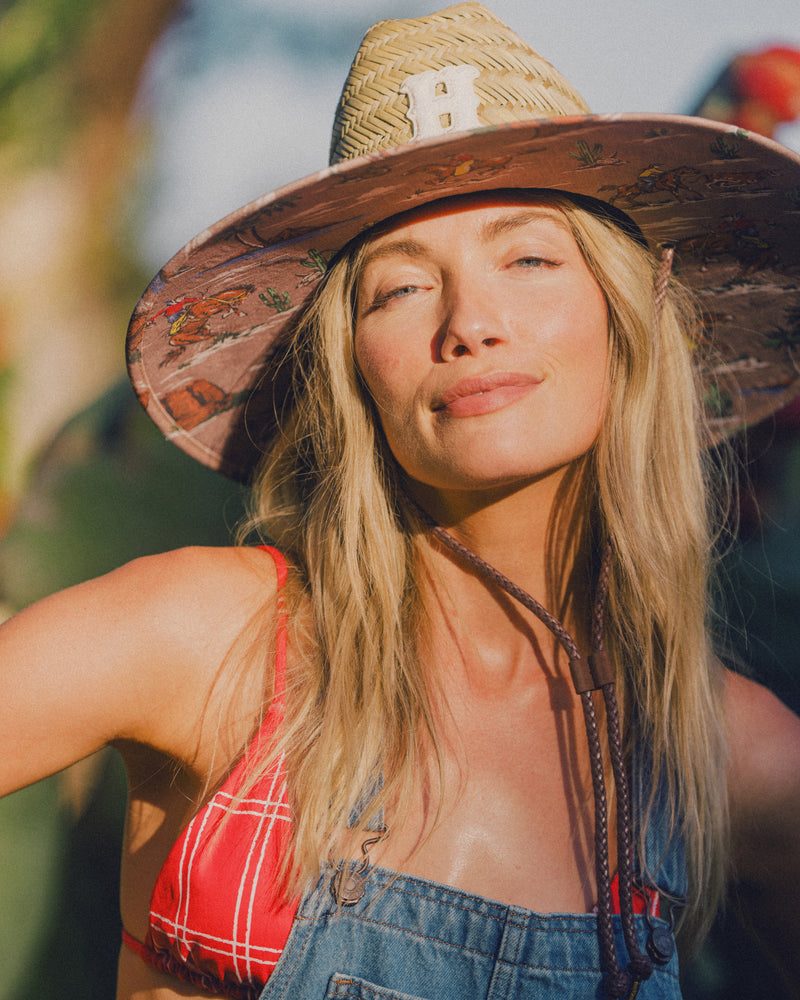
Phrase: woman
[357,761]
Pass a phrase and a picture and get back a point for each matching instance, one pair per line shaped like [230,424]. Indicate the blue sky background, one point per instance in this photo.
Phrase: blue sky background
[242,92]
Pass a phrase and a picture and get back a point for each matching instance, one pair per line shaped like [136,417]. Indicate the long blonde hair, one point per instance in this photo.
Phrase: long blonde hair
[359,710]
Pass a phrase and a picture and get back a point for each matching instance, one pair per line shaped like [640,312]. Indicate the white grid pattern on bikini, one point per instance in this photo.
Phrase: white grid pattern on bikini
[260,823]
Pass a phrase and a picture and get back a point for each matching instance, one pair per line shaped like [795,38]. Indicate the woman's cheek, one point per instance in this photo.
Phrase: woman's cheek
[383,375]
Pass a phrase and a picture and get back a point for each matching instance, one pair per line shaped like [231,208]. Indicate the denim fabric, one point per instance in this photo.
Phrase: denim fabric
[413,939]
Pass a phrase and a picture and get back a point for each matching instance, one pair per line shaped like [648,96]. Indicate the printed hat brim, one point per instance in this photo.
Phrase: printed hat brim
[205,341]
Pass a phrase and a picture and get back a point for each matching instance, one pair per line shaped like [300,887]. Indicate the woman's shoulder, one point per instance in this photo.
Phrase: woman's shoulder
[764,794]
[763,737]
[763,734]
[185,594]
[182,608]
[180,578]
[199,608]
[199,565]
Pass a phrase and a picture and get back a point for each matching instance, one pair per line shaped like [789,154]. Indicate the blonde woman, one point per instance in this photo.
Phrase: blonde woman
[458,730]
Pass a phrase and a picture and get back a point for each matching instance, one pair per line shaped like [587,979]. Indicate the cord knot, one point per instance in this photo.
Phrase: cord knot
[618,984]
[640,968]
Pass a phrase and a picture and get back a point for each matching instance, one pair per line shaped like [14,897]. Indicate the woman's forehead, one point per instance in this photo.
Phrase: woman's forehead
[523,205]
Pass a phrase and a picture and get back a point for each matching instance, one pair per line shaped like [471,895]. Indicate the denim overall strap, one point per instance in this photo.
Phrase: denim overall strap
[665,850]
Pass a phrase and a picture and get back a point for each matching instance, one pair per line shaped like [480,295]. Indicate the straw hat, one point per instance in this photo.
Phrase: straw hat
[446,105]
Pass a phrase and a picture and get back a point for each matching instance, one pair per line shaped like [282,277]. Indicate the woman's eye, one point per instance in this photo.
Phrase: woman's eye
[533,263]
[402,292]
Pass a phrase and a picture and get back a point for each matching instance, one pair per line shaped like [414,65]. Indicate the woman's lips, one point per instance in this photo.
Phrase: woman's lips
[484,393]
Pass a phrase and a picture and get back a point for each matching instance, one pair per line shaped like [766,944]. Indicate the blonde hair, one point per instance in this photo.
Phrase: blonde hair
[359,708]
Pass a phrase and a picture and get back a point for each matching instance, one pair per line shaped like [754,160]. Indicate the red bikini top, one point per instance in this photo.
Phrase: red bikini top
[216,918]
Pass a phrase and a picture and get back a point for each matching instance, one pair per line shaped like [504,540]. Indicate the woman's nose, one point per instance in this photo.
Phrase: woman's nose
[472,321]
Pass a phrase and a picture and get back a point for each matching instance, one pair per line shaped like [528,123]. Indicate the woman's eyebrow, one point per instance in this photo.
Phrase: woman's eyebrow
[510,223]
[397,248]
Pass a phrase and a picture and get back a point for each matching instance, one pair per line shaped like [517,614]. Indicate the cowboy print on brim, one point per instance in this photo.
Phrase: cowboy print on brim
[447,105]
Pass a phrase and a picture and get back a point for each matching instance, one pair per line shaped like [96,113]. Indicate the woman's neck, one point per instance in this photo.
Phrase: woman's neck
[538,537]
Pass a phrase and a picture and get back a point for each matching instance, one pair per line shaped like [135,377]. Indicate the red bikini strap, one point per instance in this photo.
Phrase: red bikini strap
[280,563]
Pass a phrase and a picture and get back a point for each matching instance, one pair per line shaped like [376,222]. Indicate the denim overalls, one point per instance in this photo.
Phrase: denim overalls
[412,939]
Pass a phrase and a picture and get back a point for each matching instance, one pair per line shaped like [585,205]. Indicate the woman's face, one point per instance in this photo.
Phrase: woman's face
[482,337]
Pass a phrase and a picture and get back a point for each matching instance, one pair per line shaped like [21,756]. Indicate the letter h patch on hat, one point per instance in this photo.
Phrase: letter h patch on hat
[441,101]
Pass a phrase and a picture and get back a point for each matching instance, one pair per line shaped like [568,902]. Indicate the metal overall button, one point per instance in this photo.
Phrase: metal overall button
[661,939]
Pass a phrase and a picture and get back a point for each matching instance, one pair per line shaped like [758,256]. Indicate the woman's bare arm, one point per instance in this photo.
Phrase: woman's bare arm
[131,656]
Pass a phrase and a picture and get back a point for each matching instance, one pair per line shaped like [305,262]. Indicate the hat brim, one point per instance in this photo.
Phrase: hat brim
[204,338]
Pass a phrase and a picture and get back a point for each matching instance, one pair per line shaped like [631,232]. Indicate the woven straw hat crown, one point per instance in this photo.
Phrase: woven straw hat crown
[408,78]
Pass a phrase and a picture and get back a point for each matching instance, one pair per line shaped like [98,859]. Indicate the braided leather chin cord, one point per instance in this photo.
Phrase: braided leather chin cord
[593,673]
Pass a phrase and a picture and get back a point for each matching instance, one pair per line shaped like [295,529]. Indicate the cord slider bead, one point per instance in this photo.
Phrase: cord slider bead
[581,672]
[591,672]
[601,668]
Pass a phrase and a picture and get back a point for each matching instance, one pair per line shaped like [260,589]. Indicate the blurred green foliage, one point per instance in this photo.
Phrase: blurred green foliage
[59,922]
[109,489]
[39,40]
[32,838]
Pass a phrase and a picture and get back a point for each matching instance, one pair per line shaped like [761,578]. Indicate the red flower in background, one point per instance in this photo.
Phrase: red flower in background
[757,90]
